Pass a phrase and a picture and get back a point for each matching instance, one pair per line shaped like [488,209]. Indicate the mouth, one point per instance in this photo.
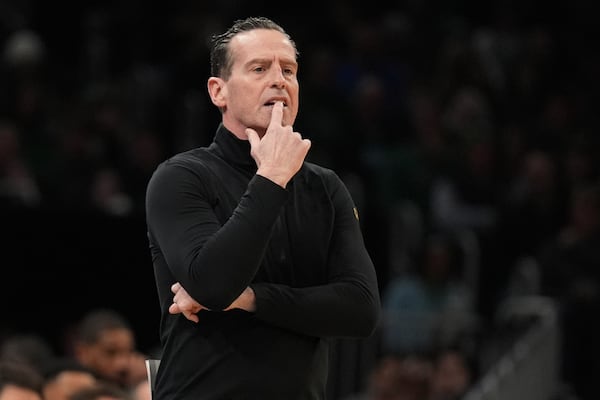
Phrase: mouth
[271,103]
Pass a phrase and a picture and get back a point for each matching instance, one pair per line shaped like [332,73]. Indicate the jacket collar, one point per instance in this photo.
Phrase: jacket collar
[233,150]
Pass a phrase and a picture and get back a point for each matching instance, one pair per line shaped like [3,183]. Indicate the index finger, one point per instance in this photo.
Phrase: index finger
[277,114]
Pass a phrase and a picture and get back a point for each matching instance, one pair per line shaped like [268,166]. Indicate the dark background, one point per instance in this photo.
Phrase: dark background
[58,265]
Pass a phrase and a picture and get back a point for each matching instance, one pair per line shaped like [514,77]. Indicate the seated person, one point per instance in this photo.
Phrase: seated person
[65,376]
[19,382]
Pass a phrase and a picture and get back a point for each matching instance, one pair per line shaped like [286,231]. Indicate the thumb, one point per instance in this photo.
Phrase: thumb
[252,137]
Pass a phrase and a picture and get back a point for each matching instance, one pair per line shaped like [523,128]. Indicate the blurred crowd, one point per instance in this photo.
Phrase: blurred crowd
[98,360]
[466,132]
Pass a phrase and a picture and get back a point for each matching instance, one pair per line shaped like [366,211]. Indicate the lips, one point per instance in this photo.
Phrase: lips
[272,102]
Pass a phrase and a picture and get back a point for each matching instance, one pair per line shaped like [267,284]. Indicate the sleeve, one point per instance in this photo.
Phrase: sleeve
[214,262]
[349,304]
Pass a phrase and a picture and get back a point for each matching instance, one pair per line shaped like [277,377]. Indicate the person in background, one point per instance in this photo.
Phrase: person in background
[19,382]
[569,265]
[104,342]
[430,305]
[26,348]
[141,390]
[396,377]
[453,374]
[258,255]
[101,391]
[64,376]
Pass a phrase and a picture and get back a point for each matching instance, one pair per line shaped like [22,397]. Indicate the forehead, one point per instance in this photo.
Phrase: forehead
[261,43]
[117,337]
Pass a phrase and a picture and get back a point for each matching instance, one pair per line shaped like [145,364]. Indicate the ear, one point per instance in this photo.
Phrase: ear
[217,91]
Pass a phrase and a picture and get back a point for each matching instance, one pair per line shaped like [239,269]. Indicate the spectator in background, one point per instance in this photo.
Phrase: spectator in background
[533,206]
[101,391]
[25,88]
[104,342]
[430,304]
[18,183]
[64,376]
[107,195]
[141,390]
[580,161]
[398,378]
[19,382]
[28,349]
[463,195]
[453,373]
[570,267]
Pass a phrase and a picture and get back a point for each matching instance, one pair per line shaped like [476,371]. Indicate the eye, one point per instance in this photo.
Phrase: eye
[259,69]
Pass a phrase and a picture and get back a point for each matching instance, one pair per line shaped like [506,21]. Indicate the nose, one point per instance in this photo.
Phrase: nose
[278,80]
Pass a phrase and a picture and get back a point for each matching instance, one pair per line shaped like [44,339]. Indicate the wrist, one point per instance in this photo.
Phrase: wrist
[249,299]
[278,179]
[246,301]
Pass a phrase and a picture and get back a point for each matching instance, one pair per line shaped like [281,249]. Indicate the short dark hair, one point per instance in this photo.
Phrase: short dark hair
[220,56]
[57,365]
[20,375]
[28,348]
[97,321]
[101,389]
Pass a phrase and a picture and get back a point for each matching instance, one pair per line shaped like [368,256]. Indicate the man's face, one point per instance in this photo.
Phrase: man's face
[264,70]
[110,356]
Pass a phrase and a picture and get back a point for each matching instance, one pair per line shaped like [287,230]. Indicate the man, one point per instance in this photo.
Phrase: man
[262,250]
[104,342]
[101,391]
[64,376]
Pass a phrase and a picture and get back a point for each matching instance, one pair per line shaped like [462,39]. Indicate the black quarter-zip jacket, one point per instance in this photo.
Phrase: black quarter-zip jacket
[217,227]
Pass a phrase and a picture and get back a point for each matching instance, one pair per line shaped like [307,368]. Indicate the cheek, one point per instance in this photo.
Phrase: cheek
[295,97]
[292,113]
[288,117]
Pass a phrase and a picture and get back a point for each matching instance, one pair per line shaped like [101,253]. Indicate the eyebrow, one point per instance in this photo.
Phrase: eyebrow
[269,60]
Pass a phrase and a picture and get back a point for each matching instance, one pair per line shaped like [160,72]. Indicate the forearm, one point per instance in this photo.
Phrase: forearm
[343,309]
[214,256]
[228,261]
[246,301]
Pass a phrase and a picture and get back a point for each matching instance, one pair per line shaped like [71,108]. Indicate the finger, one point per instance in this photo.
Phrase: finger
[277,114]
[186,304]
[191,316]
[252,137]
[308,143]
[175,287]
[174,309]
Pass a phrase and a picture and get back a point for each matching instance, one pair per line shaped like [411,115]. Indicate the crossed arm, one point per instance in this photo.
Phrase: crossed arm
[184,304]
